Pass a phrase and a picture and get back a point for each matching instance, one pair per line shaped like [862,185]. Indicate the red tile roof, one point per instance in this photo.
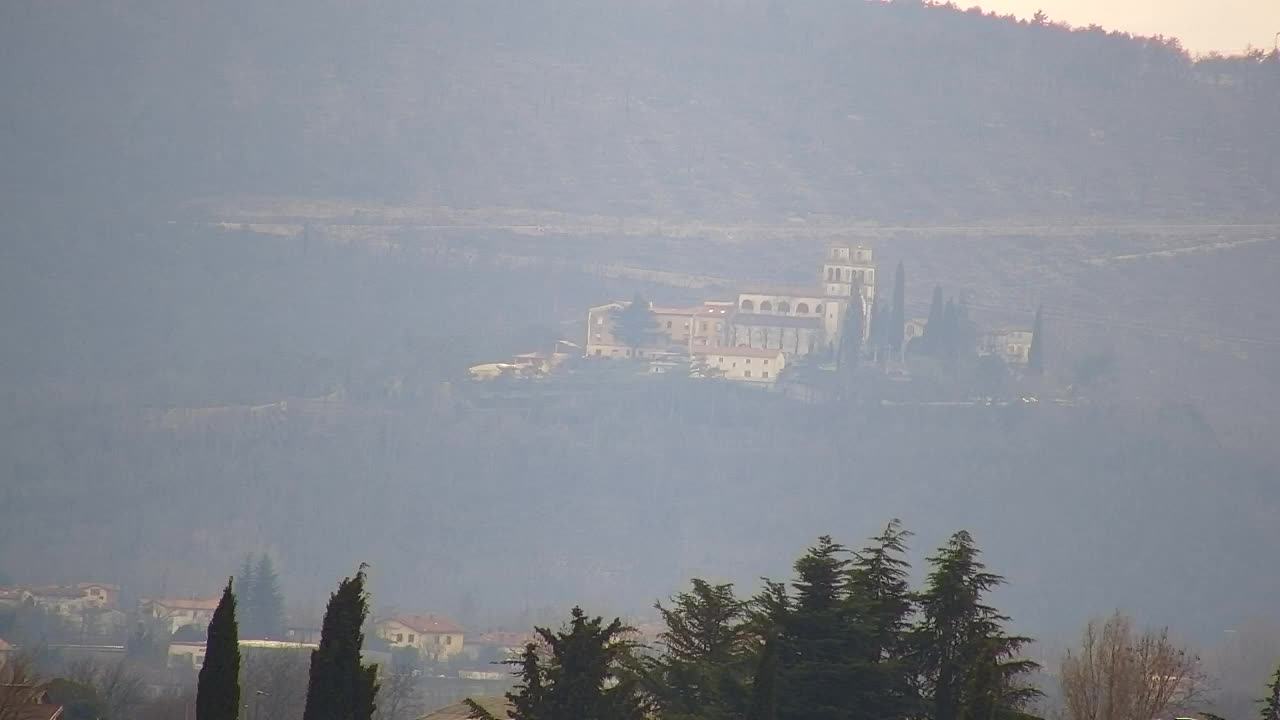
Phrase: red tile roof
[429,624]
[186,604]
[504,639]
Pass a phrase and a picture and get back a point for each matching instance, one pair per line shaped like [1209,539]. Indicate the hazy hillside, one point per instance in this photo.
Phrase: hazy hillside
[882,111]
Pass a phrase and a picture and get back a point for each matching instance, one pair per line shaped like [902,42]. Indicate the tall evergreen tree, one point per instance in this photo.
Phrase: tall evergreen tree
[821,647]
[1271,703]
[898,322]
[635,324]
[934,328]
[218,689]
[852,328]
[340,687]
[881,596]
[702,671]
[1035,356]
[969,666]
[586,676]
[266,600]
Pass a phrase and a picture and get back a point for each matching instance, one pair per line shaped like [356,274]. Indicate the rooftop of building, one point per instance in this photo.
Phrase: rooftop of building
[184,603]
[783,321]
[739,352]
[429,624]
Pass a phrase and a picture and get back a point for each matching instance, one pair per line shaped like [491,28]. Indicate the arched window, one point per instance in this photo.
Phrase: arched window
[817,309]
[748,306]
[802,309]
[784,307]
[766,306]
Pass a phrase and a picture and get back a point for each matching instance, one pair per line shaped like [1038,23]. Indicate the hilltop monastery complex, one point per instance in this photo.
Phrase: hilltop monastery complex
[763,328]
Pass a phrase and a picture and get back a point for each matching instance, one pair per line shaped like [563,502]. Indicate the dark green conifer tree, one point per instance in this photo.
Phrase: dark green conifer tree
[1271,703]
[822,668]
[218,688]
[266,600]
[340,687]
[882,599]
[589,674]
[898,321]
[968,665]
[1035,356]
[934,329]
[635,324]
[703,668]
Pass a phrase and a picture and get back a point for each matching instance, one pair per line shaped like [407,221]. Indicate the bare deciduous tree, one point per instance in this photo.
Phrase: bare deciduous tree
[19,686]
[117,684]
[1120,673]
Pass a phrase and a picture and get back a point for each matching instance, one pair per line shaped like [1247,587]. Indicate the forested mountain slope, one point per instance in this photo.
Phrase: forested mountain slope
[894,111]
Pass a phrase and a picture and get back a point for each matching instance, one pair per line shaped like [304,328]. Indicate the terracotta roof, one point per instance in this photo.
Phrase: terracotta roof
[738,352]
[759,320]
[429,624]
[185,603]
[69,591]
[503,639]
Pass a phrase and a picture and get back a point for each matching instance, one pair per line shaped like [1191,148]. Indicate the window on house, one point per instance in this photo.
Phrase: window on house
[410,637]
[746,374]
[719,327]
[766,307]
[766,362]
[702,326]
[599,352]
[399,637]
[748,306]
[668,324]
[802,308]
[764,374]
[748,361]
[448,639]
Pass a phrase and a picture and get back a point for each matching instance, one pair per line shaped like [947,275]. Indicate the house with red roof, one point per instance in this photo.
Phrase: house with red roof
[434,636]
[174,614]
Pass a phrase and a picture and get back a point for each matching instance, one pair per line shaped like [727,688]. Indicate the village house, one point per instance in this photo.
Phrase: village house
[433,636]
[174,614]
[745,364]
[1013,345]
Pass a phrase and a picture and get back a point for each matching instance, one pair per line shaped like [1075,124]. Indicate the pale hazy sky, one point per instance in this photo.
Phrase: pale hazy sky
[1202,25]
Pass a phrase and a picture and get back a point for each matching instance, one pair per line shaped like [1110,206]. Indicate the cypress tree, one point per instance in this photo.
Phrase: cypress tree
[852,328]
[1035,356]
[933,329]
[218,689]
[267,602]
[1271,703]
[898,322]
[248,615]
[340,687]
